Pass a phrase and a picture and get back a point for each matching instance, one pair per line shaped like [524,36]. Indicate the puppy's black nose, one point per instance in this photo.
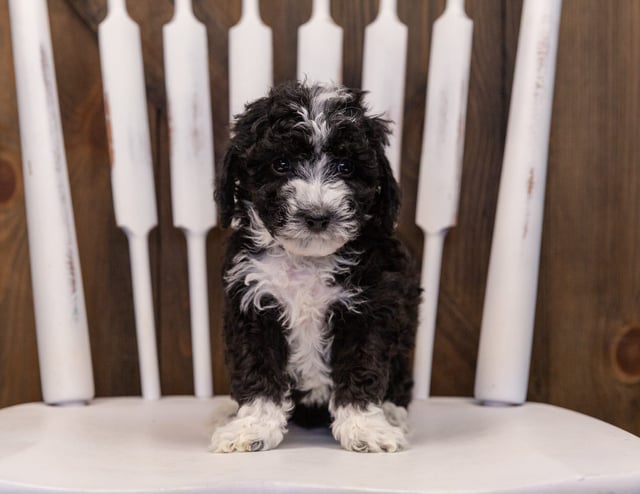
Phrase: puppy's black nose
[317,223]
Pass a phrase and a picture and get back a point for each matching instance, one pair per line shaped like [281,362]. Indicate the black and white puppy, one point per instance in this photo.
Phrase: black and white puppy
[321,298]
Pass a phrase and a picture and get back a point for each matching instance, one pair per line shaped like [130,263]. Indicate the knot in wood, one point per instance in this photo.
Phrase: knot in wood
[8,181]
[625,354]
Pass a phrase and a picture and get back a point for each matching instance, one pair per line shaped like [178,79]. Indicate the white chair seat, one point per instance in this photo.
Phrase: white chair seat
[132,445]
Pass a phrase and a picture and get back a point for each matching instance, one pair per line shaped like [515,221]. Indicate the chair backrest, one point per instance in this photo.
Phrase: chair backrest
[65,360]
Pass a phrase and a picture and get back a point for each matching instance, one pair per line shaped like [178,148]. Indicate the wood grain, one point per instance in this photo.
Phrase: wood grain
[19,375]
[585,351]
[103,247]
[467,247]
[590,270]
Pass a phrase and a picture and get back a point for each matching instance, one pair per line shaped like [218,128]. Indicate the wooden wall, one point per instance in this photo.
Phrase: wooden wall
[587,342]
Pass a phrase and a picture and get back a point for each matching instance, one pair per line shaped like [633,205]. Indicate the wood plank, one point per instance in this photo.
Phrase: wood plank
[219,17]
[590,270]
[168,248]
[103,247]
[353,17]
[467,247]
[284,18]
[419,17]
[19,375]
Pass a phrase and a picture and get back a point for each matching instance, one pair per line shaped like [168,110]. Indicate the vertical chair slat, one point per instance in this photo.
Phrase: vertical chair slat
[384,72]
[320,46]
[192,176]
[131,170]
[250,58]
[61,320]
[440,166]
[510,298]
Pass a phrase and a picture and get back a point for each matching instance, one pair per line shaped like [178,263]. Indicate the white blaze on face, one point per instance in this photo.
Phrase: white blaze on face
[317,192]
[315,117]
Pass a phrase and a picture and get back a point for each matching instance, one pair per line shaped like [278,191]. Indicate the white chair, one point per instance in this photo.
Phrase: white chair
[493,443]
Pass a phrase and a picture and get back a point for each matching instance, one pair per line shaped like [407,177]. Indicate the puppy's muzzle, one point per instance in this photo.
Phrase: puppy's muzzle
[317,223]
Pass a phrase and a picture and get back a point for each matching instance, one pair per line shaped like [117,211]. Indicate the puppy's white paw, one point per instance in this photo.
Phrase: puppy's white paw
[259,425]
[367,431]
[224,413]
[396,416]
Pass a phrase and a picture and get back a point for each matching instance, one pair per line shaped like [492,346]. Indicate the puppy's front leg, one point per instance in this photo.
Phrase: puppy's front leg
[256,357]
[258,425]
[361,374]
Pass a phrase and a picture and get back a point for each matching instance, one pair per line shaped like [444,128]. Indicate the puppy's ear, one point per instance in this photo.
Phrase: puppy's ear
[387,203]
[248,128]
[225,188]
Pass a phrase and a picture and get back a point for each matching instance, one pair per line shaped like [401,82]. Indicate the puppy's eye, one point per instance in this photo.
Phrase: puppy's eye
[280,166]
[344,168]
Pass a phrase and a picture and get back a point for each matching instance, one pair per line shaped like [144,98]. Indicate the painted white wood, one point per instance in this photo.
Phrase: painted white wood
[186,64]
[320,46]
[430,282]
[199,305]
[191,136]
[60,313]
[250,58]
[131,169]
[509,308]
[145,324]
[384,73]
[441,164]
[131,445]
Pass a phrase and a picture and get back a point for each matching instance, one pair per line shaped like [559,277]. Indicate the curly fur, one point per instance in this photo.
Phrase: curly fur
[321,297]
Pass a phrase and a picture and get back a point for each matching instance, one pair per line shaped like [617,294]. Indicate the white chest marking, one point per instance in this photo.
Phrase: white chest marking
[304,289]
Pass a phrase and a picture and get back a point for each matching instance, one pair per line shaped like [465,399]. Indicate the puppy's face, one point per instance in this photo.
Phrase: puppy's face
[306,170]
